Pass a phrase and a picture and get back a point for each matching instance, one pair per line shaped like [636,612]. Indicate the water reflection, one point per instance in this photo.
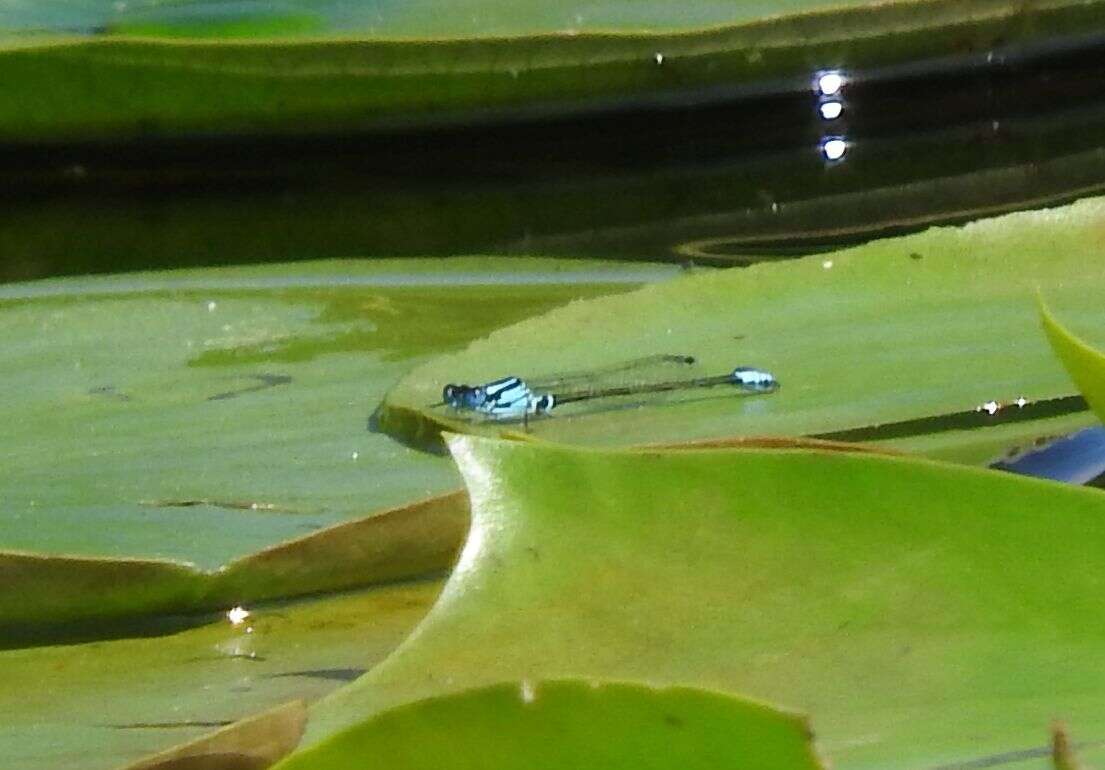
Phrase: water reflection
[725,175]
[831,110]
[237,615]
[829,82]
[1077,458]
[833,148]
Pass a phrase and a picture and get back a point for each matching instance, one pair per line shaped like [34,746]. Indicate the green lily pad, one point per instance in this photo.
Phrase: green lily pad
[100,705]
[416,19]
[1084,363]
[570,724]
[893,331]
[413,540]
[183,440]
[877,594]
[120,85]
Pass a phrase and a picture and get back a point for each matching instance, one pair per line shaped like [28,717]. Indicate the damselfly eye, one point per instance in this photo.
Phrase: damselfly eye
[449,394]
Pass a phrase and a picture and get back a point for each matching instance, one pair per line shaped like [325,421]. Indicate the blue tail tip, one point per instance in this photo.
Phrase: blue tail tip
[754,379]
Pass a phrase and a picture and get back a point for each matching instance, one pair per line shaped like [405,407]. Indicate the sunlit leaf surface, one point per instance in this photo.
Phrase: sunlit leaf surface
[877,594]
[1084,362]
[410,541]
[102,704]
[206,416]
[895,331]
[571,724]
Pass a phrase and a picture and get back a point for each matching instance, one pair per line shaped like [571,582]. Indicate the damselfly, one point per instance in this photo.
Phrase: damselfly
[512,398]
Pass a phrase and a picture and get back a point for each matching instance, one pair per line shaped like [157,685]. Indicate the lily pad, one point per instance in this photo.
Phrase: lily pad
[411,541]
[571,724]
[877,594]
[100,705]
[897,330]
[1084,363]
[160,428]
[124,85]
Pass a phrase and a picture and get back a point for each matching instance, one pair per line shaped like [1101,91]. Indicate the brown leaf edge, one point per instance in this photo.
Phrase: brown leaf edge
[408,541]
[1062,753]
[253,743]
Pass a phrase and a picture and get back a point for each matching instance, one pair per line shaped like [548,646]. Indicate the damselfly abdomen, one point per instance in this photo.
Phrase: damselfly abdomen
[513,398]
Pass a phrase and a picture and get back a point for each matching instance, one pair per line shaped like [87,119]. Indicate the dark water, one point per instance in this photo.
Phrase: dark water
[708,176]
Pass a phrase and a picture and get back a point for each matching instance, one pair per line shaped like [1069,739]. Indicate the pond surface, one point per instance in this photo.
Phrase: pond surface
[712,176]
[189,444]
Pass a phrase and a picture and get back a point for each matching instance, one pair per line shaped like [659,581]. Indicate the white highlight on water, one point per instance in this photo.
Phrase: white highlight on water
[829,83]
[834,149]
[831,110]
[237,615]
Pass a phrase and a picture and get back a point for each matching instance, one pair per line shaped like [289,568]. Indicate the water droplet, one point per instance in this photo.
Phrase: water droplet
[211,305]
[355,455]
[827,264]
[528,691]
[659,57]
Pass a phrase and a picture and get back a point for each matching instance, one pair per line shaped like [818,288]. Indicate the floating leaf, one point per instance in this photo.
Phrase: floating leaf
[570,724]
[103,704]
[406,542]
[877,594]
[183,440]
[121,85]
[1084,363]
[859,338]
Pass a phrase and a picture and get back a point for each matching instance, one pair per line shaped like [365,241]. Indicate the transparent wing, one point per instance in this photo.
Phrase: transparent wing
[663,366]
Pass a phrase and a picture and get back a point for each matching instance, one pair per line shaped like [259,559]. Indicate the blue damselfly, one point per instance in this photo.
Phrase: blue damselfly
[513,398]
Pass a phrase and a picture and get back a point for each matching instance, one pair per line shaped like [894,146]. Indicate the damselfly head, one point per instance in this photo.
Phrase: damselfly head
[463,396]
[754,380]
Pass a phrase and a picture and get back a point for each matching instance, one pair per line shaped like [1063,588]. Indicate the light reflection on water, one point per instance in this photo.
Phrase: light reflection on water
[785,164]
[1076,458]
